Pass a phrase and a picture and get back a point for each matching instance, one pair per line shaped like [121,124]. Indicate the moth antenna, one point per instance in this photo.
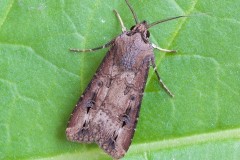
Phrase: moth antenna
[164,20]
[134,14]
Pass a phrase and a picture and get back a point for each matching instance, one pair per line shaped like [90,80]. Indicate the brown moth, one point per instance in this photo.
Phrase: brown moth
[107,112]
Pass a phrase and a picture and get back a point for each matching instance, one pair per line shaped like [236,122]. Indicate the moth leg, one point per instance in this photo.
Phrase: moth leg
[159,78]
[163,50]
[93,49]
[120,20]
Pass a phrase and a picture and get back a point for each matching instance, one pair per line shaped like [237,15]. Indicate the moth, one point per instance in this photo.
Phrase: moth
[107,112]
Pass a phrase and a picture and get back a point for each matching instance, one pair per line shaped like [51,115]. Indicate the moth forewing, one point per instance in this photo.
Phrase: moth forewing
[107,112]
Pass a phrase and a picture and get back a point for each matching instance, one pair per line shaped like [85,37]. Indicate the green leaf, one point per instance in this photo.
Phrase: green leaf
[41,81]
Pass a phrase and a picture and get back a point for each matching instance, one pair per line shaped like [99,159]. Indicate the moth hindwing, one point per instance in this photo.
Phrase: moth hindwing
[107,112]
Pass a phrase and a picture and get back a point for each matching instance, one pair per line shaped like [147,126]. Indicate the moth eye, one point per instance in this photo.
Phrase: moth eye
[148,34]
[132,27]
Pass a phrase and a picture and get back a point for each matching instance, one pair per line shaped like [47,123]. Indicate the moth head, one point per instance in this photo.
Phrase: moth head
[141,28]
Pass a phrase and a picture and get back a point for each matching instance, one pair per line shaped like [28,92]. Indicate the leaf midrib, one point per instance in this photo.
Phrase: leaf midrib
[189,140]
